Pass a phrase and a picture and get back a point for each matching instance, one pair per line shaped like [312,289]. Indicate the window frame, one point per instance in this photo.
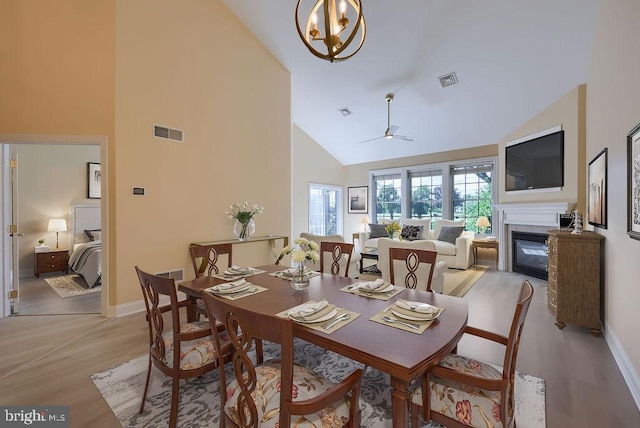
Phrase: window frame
[339,206]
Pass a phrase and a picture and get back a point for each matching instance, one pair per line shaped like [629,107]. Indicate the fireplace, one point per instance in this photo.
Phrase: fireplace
[529,253]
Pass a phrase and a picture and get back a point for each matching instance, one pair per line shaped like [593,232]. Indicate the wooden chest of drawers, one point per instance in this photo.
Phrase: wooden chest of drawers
[51,261]
[574,278]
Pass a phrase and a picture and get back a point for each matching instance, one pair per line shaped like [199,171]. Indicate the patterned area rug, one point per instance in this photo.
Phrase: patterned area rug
[122,388]
[458,282]
[70,286]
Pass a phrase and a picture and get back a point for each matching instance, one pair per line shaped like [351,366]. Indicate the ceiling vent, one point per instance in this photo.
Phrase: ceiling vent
[448,79]
[168,133]
[345,111]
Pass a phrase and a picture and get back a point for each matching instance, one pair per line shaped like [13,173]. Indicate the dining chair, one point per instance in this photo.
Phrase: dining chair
[263,394]
[465,392]
[340,257]
[205,260]
[197,353]
[416,264]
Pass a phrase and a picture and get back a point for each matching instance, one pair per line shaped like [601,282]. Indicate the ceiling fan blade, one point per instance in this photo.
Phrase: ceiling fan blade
[404,137]
[392,130]
[372,139]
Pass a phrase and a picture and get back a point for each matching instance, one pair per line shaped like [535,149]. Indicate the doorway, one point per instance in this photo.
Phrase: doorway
[53,191]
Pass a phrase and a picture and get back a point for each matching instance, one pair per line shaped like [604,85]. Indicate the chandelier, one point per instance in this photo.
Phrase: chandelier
[334,43]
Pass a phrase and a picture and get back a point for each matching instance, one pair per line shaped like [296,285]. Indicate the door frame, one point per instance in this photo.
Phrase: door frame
[5,266]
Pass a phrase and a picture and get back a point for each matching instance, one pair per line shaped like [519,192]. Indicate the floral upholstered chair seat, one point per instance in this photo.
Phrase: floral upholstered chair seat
[193,353]
[471,406]
[306,384]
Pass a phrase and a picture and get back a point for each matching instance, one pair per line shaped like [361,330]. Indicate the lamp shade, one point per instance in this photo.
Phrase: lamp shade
[365,219]
[483,222]
[57,225]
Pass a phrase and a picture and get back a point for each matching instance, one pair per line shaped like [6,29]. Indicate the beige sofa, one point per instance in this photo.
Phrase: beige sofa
[354,268]
[457,255]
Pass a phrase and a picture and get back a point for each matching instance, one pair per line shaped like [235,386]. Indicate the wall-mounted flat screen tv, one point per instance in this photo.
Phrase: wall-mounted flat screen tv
[535,164]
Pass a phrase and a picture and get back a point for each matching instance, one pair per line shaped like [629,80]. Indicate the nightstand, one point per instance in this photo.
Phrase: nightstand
[51,261]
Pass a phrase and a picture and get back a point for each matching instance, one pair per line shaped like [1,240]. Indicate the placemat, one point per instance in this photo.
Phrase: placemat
[318,326]
[240,294]
[422,325]
[230,277]
[353,289]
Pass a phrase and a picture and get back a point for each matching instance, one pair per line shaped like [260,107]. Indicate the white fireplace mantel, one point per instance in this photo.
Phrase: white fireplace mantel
[544,214]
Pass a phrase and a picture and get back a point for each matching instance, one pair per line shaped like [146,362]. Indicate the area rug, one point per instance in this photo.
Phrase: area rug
[122,388]
[70,286]
[458,282]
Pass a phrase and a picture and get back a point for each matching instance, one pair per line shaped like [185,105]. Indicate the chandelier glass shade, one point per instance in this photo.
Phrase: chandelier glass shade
[331,33]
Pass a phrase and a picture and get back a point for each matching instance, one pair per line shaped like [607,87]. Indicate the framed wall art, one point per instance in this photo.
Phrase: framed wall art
[633,183]
[597,190]
[358,200]
[94,180]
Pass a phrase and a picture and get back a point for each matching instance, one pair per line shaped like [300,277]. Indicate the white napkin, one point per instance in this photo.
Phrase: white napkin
[229,285]
[237,270]
[423,308]
[372,285]
[308,309]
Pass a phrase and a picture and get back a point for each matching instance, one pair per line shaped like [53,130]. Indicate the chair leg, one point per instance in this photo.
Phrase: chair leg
[259,352]
[173,416]
[415,415]
[146,386]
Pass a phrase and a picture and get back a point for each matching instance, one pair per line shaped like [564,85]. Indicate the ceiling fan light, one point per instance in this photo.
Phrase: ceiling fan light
[325,23]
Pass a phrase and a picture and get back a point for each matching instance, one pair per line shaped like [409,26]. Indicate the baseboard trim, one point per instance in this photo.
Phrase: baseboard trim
[629,373]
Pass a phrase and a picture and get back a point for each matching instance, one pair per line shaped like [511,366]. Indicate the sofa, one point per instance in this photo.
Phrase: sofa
[451,241]
[354,268]
[437,281]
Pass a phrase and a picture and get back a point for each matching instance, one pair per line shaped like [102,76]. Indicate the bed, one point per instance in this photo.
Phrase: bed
[86,242]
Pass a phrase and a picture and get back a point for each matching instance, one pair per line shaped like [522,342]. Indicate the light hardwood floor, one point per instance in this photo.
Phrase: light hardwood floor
[48,359]
[38,298]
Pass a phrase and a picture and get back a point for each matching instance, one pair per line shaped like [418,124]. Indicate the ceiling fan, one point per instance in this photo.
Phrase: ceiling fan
[390,132]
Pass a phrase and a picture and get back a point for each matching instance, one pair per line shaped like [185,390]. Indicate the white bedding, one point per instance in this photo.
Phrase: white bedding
[86,260]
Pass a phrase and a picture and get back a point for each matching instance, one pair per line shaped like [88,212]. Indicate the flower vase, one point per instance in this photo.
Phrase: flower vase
[300,278]
[244,231]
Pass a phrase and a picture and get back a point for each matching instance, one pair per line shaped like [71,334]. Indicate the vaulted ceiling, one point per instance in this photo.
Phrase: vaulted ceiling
[512,59]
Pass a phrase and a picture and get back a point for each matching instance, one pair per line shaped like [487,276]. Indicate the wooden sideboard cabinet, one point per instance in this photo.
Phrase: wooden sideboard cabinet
[51,261]
[574,278]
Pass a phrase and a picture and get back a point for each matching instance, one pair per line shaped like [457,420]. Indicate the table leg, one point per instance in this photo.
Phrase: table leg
[361,264]
[399,402]
[191,310]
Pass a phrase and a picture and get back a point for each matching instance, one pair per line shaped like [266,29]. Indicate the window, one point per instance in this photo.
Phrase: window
[472,193]
[325,209]
[426,194]
[387,191]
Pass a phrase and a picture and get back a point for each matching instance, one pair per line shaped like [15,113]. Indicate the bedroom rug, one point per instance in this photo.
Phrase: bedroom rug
[122,387]
[458,282]
[70,286]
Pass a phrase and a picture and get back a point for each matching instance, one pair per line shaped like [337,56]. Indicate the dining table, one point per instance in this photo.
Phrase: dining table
[404,355]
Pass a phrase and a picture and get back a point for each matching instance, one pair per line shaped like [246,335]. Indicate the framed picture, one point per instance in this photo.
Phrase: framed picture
[94,179]
[358,200]
[633,183]
[597,190]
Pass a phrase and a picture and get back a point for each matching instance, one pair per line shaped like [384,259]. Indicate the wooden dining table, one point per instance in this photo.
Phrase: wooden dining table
[403,355]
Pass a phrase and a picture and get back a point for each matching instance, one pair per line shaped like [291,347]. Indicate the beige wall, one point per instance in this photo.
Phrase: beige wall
[612,111]
[50,177]
[358,175]
[310,164]
[175,65]
[567,111]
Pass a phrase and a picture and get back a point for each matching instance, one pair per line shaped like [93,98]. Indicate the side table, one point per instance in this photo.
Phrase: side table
[483,243]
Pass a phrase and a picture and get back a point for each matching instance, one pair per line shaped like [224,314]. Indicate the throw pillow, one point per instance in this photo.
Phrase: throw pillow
[450,234]
[440,223]
[377,231]
[411,233]
[94,235]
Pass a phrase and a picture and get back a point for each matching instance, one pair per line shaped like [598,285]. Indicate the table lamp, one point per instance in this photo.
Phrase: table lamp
[482,223]
[365,220]
[57,225]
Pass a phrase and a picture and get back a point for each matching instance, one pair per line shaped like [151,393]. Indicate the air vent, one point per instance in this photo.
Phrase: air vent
[168,133]
[177,274]
[448,80]
[345,111]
